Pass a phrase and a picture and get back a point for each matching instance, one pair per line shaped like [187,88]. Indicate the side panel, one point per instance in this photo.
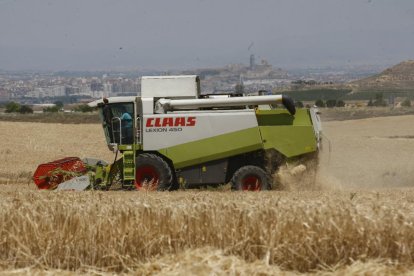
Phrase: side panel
[214,148]
[170,86]
[213,172]
[162,131]
[290,135]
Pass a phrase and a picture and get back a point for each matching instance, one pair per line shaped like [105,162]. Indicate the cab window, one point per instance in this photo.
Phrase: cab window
[118,122]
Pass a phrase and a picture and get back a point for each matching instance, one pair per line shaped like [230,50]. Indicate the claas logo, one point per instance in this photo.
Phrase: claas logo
[171,122]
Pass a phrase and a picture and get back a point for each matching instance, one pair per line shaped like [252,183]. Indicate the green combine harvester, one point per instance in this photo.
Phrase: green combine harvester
[171,136]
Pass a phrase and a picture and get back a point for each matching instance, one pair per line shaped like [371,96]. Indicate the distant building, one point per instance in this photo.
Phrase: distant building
[252,62]
[47,92]
[4,95]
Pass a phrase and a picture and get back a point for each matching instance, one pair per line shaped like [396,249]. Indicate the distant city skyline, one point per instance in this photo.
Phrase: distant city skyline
[182,34]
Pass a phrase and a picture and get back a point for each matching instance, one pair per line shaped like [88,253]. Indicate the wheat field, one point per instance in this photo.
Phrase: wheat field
[25,145]
[357,218]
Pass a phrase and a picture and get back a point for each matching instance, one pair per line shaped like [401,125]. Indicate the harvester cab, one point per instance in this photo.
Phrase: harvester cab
[117,121]
[170,135]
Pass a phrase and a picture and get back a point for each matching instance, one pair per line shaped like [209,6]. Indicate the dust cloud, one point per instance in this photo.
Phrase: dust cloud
[357,154]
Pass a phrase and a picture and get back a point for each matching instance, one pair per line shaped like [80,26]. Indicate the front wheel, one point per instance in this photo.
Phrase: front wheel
[152,173]
[251,178]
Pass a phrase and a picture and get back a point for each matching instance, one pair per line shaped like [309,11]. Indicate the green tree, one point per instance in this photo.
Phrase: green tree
[319,103]
[331,103]
[83,108]
[51,109]
[340,103]
[12,107]
[239,88]
[406,103]
[25,109]
[379,100]
[370,103]
[59,104]
[299,104]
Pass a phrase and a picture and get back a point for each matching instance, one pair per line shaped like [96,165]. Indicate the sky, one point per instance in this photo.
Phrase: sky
[185,34]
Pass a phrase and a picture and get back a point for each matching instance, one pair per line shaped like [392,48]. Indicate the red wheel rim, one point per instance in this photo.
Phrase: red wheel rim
[251,183]
[146,175]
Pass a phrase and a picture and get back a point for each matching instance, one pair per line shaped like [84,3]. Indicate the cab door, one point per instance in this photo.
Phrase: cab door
[118,123]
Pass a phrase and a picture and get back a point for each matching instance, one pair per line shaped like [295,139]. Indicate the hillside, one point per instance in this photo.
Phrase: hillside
[395,82]
[399,78]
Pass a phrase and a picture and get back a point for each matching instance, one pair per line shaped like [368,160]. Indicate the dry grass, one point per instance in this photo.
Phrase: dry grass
[26,145]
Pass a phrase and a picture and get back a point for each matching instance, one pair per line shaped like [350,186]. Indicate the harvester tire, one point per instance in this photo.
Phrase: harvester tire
[153,173]
[251,178]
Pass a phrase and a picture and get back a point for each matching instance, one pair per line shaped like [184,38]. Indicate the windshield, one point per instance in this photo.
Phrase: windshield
[117,119]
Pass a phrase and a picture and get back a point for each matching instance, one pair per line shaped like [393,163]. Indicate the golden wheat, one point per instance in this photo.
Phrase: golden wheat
[118,231]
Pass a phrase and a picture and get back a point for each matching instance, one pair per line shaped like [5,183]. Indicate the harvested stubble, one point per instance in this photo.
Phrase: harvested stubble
[26,145]
[120,231]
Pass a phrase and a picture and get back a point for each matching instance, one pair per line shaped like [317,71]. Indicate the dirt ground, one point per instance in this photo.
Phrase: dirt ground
[368,153]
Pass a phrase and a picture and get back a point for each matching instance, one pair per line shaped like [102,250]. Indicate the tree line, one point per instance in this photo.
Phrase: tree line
[13,107]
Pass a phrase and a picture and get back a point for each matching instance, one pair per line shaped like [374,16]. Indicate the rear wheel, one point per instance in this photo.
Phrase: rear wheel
[152,173]
[251,178]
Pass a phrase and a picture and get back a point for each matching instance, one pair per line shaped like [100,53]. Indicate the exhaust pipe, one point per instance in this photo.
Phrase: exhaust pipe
[289,104]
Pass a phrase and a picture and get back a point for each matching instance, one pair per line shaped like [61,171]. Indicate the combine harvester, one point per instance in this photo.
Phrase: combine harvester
[171,136]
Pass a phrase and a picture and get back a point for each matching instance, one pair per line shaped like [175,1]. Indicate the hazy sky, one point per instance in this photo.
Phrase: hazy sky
[126,34]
